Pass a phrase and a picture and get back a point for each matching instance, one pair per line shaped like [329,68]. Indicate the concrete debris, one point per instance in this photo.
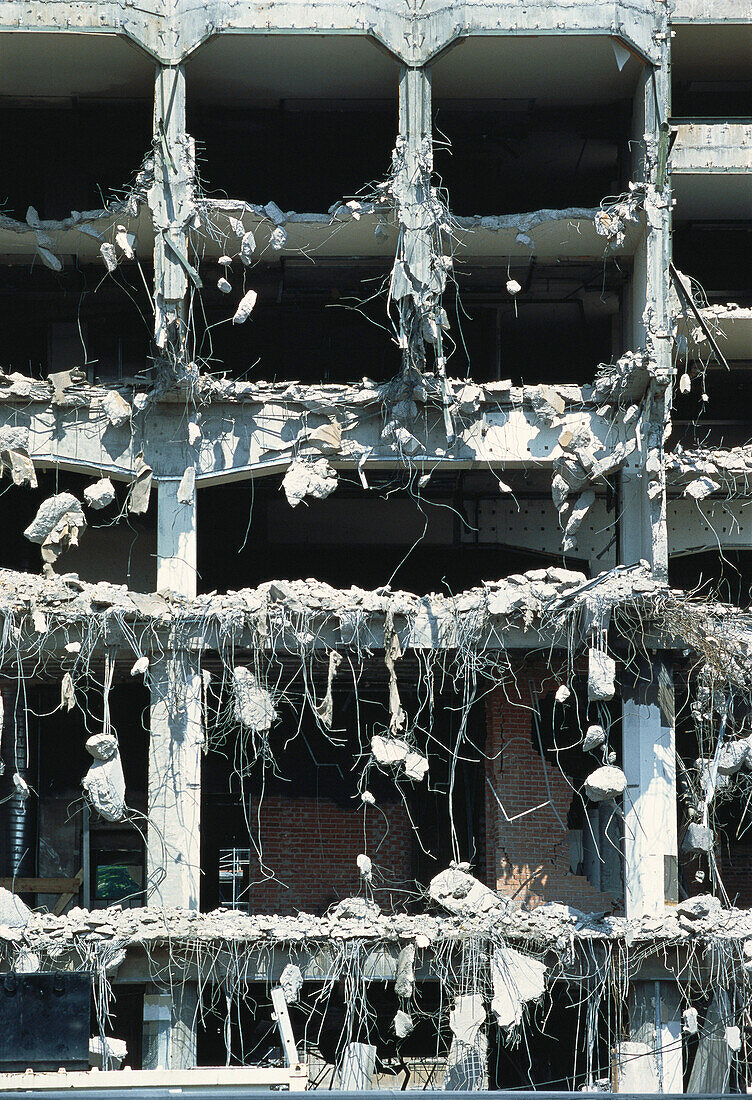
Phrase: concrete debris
[698,840]
[67,692]
[306,478]
[701,488]
[357,909]
[457,891]
[636,1068]
[594,738]
[605,783]
[390,751]
[14,913]
[254,706]
[403,1024]
[57,525]
[126,242]
[562,693]
[102,746]
[21,786]
[689,1021]
[611,221]
[278,238]
[513,287]
[109,256]
[99,495]
[547,404]
[186,493]
[291,982]
[104,783]
[245,307]
[733,1038]
[365,867]
[601,676]
[116,409]
[733,756]
[517,980]
[247,248]
[467,1017]
[325,709]
[224,286]
[107,1052]
[140,666]
[699,907]
[140,490]
[404,982]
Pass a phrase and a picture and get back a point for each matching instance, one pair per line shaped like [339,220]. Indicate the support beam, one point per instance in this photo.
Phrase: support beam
[174,799]
[177,539]
[171,205]
[650,827]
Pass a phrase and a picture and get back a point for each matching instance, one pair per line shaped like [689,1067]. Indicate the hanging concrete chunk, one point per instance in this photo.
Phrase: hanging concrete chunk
[701,488]
[140,666]
[403,1024]
[17,460]
[325,708]
[460,893]
[104,783]
[187,486]
[247,247]
[109,255]
[467,1017]
[601,676]
[365,867]
[548,405]
[698,840]
[396,751]
[245,307]
[517,979]
[278,239]
[254,706]
[126,242]
[57,525]
[224,285]
[291,982]
[67,692]
[140,491]
[404,982]
[102,746]
[304,478]
[99,495]
[605,783]
[594,738]
[733,756]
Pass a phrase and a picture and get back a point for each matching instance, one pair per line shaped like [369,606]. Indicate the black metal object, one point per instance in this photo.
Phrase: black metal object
[45,1021]
[18,815]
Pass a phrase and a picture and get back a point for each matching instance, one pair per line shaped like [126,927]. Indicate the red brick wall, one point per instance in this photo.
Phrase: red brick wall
[310,845]
[529,857]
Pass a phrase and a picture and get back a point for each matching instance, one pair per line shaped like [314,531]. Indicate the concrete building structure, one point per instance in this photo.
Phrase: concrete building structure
[374,415]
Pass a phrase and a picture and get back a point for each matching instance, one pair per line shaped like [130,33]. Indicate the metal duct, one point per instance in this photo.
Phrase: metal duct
[18,815]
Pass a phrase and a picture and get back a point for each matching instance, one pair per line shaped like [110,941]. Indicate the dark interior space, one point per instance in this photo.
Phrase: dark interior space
[717,256]
[515,155]
[711,99]
[710,73]
[554,1056]
[327,322]
[69,154]
[727,574]
[309,765]
[720,421]
[319,1023]
[78,317]
[304,155]
[121,550]
[248,534]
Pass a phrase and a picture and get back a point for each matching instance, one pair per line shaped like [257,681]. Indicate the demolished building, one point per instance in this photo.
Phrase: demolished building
[419,753]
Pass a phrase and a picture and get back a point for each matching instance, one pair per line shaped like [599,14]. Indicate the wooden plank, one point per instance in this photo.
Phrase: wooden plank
[42,885]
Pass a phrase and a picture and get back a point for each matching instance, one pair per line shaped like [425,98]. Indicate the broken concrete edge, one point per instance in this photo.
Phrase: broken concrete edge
[697,921]
[542,602]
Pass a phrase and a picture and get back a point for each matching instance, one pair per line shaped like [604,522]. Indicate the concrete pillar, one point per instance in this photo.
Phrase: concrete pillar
[177,538]
[169,1033]
[171,205]
[357,1067]
[652,1060]
[173,855]
[650,828]
[174,798]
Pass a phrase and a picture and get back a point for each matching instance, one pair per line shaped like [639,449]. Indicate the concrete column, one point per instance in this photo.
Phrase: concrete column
[650,828]
[171,205]
[177,537]
[169,1033]
[174,797]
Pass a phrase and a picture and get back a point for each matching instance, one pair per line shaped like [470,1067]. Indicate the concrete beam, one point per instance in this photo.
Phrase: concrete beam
[698,525]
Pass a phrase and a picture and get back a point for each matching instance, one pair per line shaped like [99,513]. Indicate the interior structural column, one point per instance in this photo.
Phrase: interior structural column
[171,205]
[652,1061]
[173,860]
[177,537]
